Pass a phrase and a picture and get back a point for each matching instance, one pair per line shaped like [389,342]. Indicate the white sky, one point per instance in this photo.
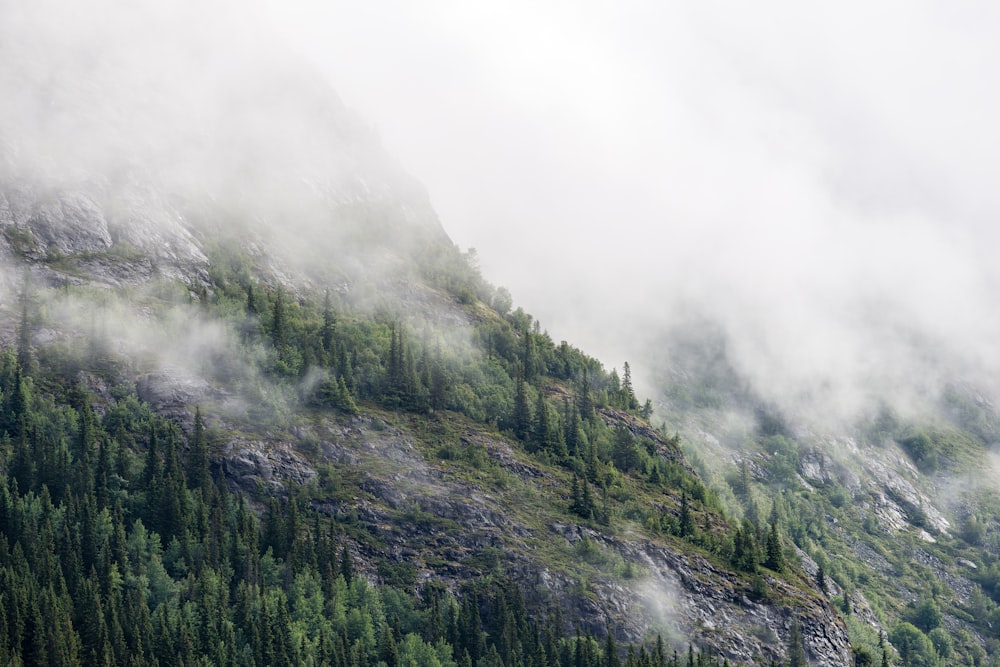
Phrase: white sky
[812,174]
[819,178]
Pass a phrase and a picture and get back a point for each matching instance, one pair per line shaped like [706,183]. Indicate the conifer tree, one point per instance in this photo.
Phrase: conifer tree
[541,438]
[775,558]
[329,328]
[629,400]
[346,564]
[279,324]
[198,472]
[438,384]
[24,329]
[151,467]
[686,521]
[584,400]
[522,414]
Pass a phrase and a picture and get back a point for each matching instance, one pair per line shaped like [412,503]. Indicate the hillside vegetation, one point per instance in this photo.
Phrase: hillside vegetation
[897,516]
[353,485]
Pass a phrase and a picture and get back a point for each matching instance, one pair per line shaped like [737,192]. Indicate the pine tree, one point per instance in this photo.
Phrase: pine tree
[522,414]
[611,657]
[582,501]
[24,329]
[529,356]
[541,438]
[584,400]
[252,308]
[198,473]
[329,329]
[151,467]
[346,564]
[775,558]
[686,521]
[438,385]
[628,394]
[279,324]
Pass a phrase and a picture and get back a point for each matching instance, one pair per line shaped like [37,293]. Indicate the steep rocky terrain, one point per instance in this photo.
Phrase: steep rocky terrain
[170,241]
[898,510]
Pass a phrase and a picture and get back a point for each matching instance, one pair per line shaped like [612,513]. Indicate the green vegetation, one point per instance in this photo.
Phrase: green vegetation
[879,548]
[119,545]
[141,553]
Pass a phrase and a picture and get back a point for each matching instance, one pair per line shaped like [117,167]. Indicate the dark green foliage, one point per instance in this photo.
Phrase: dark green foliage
[745,549]
[521,419]
[581,499]
[198,472]
[774,558]
[155,564]
[914,648]
[862,658]
[926,614]
[921,449]
[138,556]
[686,521]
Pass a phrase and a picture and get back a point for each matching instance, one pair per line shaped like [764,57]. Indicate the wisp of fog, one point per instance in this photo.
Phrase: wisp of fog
[816,180]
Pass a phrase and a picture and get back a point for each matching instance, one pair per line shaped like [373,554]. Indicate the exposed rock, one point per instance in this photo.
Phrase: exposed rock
[54,224]
[171,392]
[248,464]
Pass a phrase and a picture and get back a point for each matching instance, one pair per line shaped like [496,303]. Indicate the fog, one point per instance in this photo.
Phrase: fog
[818,180]
[820,183]
[153,122]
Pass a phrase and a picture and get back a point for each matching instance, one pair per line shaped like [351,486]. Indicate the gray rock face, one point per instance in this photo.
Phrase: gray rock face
[250,464]
[83,231]
[170,392]
[420,512]
[71,223]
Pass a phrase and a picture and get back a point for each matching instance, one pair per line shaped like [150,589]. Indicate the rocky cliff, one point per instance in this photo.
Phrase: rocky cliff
[138,189]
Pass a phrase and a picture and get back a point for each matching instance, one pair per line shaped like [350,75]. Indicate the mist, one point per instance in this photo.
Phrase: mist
[815,184]
[818,182]
[161,126]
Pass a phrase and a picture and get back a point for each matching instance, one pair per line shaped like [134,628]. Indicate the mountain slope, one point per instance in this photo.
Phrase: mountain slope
[898,508]
[244,364]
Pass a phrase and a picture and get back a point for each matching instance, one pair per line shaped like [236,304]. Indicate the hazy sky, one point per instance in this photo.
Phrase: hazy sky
[821,177]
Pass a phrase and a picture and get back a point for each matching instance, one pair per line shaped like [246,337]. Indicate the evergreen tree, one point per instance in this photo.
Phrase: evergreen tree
[584,399]
[438,385]
[346,564]
[774,558]
[24,329]
[686,521]
[198,472]
[329,328]
[629,401]
[541,432]
[522,414]
[151,467]
[279,324]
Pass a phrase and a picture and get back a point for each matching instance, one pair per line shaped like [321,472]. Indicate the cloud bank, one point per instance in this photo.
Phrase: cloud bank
[819,181]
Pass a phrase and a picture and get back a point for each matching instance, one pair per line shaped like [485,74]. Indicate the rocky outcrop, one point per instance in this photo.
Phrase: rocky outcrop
[84,232]
[256,465]
[450,524]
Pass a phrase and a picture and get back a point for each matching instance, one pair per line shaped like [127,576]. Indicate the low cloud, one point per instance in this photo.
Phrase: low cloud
[815,180]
